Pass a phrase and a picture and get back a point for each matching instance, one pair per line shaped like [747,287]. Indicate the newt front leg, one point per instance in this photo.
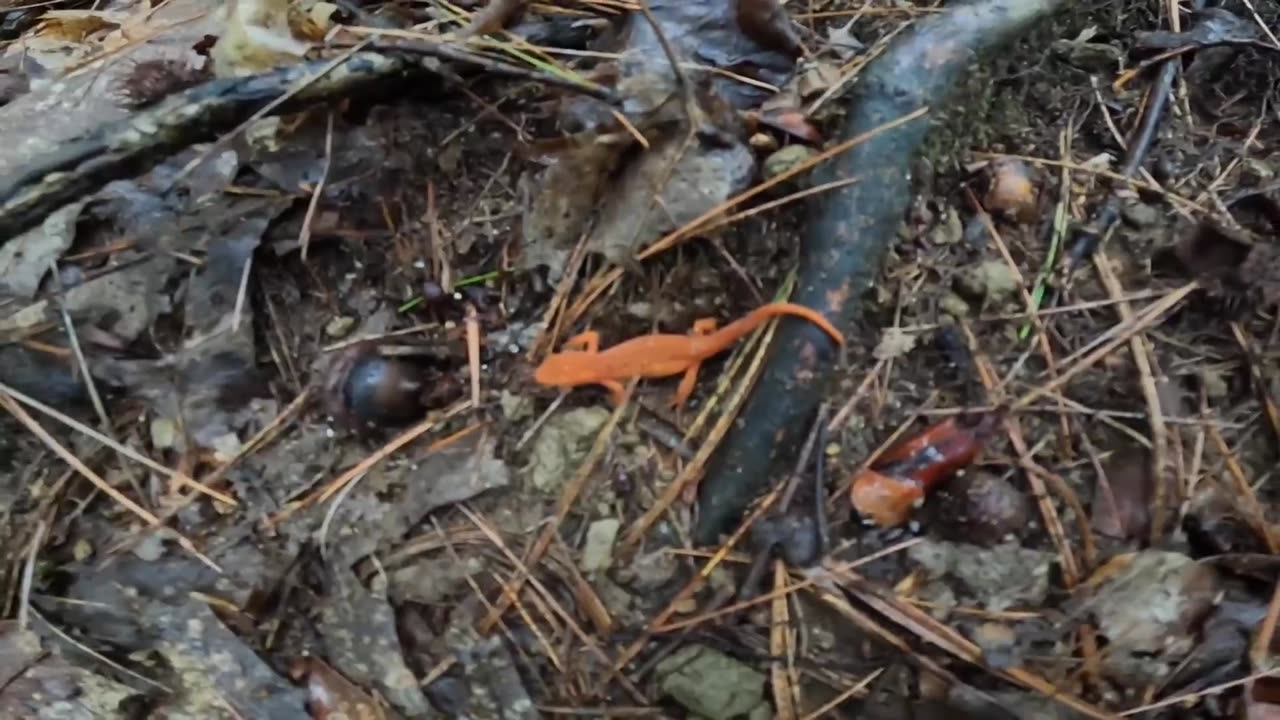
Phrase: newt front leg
[589,342]
[703,327]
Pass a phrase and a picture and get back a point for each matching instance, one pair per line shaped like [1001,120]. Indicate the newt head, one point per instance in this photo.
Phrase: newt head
[560,370]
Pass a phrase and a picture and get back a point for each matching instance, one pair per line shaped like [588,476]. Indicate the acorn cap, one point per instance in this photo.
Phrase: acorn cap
[885,499]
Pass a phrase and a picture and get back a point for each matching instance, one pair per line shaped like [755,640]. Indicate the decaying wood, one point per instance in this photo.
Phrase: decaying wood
[136,144]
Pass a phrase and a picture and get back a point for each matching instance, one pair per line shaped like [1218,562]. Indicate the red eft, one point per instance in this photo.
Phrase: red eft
[660,355]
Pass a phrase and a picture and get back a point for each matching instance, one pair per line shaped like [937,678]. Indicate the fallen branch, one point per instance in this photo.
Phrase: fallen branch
[136,144]
[850,231]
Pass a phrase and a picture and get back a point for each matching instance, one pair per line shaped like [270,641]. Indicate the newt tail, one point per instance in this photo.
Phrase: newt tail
[745,325]
[660,355]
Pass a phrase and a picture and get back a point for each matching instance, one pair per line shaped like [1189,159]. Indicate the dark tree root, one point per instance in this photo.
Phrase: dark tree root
[136,144]
[848,235]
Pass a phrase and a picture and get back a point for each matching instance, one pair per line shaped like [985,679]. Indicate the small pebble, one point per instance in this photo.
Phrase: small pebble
[786,159]
[640,309]
[1089,56]
[163,433]
[976,234]
[954,305]
[1255,171]
[597,554]
[763,142]
[1215,386]
[949,229]
[339,326]
[82,550]
[991,280]
[1140,214]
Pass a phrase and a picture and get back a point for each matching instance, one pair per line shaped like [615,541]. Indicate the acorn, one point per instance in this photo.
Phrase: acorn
[365,389]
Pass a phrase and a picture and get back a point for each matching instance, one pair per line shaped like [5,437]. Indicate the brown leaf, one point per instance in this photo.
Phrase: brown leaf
[496,15]
[1146,605]
[331,696]
[747,38]
[767,23]
[561,201]
[1262,698]
[1122,495]
[703,176]
[792,122]
[816,79]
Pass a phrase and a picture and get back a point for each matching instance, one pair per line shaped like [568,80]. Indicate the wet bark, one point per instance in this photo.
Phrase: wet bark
[849,232]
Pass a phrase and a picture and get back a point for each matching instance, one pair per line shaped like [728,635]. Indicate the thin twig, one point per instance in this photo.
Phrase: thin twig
[1245,493]
[1144,359]
[81,647]
[304,235]
[693,470]
[632,651]
[497,67]
[67,456]
[523,571]
[1116,336]
[473,353]
[174,475]
[269,108]
[73,339]
[1071,570]
[924,626]
[674,237]
[568,498]
[840,699]
[28,574]
[1104,219]
[1188,697]
[360,468]
[782,646]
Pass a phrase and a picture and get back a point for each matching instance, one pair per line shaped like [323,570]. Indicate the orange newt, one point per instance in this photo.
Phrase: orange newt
[660,355]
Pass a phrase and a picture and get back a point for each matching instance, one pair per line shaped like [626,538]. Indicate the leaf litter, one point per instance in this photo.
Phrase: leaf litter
[359,565]
[622,196]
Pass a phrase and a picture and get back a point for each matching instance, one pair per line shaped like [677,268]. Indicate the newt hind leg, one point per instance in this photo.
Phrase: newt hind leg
[617,391]
[705,326]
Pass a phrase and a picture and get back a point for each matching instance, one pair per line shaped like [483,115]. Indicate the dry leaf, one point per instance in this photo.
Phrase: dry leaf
[894,343]
[842,42]
[816,79]
[255,38]
[792,122]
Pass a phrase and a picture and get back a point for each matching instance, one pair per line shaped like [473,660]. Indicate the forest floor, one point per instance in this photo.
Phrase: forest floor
[314,473]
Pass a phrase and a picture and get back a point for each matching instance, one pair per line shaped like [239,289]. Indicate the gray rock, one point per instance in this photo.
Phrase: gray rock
[711,684]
